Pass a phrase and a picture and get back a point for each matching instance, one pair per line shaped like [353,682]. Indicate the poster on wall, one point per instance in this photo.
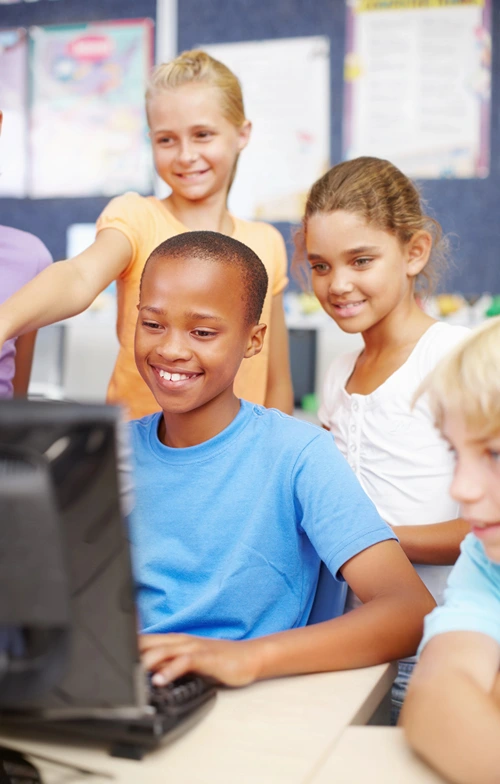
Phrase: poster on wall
[286,94]
[13,92]
[417,85]
[88,124]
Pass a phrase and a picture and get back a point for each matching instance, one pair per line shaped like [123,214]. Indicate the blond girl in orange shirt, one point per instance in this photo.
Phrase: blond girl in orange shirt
[198,129]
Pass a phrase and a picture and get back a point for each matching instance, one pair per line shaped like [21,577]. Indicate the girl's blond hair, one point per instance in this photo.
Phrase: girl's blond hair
[381,194]
[198,66]
[467,382]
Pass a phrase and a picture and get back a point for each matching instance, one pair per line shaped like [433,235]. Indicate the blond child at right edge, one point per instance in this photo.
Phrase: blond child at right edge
[368,247]
[452,713]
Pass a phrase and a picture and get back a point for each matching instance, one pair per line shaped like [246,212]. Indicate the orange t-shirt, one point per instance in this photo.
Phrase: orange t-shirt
[147,222]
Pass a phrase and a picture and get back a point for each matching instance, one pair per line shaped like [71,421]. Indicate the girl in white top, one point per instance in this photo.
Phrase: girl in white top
[370,248]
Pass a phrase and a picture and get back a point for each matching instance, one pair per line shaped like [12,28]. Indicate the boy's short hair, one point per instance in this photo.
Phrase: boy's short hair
[467,381]
[215,247]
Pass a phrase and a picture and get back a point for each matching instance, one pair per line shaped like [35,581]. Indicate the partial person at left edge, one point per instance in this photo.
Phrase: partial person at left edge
[22,257]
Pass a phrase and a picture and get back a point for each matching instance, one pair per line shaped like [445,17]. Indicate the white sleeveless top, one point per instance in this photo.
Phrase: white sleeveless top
[399,457]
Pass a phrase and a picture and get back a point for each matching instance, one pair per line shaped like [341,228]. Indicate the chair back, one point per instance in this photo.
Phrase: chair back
[330,598]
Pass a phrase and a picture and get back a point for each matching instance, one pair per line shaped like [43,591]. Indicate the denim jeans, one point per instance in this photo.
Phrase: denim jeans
[398,693]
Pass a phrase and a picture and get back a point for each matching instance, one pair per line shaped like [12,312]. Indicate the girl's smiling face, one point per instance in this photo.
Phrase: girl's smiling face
[361,274]
[476,482]
[194,146]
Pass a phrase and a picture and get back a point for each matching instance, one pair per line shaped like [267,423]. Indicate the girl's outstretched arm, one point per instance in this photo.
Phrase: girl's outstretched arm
[387,626]
[279,393]
[450,716]
[436,543]
[66,288]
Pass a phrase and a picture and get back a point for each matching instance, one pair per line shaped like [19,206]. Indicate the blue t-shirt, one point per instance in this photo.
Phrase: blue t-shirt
[471,598]
[227,535]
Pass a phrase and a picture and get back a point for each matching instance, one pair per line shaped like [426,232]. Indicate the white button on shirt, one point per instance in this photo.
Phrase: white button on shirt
[399,457]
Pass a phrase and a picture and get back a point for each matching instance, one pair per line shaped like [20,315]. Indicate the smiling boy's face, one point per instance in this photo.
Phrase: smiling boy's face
[191,333]
[476,483]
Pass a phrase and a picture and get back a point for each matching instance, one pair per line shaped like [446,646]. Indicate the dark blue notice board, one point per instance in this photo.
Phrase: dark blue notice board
[467,209]
[49,218]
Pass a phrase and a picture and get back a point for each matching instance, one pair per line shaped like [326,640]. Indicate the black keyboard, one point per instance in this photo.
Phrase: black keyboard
[173,709]
[181,696]
[16,769]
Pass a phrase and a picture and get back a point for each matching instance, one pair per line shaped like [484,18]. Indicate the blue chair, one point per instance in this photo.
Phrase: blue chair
[329,601]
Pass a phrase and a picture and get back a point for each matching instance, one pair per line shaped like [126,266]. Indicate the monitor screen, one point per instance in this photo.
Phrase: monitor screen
[66,588]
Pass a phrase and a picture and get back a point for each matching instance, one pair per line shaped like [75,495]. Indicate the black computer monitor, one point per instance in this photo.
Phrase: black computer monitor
[68,634]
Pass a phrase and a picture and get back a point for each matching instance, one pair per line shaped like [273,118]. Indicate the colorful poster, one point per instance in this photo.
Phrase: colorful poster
[88,123]
[286,92]
[13,100]
[418,85]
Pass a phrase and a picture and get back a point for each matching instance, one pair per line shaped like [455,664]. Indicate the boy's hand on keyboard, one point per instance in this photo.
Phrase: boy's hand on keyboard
[168,656]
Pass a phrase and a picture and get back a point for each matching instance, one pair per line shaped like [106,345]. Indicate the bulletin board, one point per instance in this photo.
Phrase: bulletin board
[87,86]
[467,209]
[49,218]
[417,85]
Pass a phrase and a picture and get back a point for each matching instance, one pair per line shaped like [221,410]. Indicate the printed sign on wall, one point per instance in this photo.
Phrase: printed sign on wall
[418,84]
[88,123]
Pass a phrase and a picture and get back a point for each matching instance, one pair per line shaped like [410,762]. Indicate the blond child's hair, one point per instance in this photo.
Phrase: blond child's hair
[198,66]
[387,199]
[467,381]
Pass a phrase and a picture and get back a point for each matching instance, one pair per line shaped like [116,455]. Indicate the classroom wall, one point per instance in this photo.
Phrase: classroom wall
[49,218]
[467,209]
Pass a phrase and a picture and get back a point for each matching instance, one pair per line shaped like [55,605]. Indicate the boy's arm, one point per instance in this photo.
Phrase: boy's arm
[387,626]
[279,393]
[25,347]
[67,287]
[450,715]
[436,543]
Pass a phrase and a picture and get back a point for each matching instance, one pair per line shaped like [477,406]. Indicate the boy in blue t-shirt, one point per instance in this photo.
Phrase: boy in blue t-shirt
[452,712]
[236,505]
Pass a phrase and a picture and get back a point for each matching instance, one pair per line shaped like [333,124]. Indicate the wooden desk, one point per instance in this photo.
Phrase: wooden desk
[379,755]
[271,732]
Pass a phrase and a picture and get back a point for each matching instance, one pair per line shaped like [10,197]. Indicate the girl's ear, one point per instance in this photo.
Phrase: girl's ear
[418,250]
[255,340]
[244,135]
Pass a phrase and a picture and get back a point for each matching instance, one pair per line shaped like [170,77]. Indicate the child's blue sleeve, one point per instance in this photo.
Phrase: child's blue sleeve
[471,599]
[332,507]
